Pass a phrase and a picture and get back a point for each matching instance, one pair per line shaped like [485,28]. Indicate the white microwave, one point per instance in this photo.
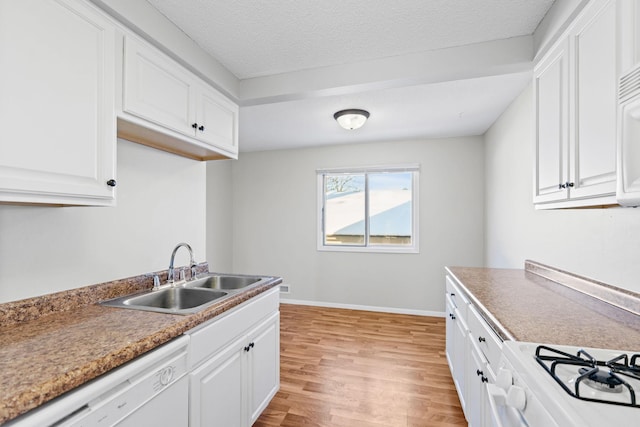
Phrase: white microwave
[628,182]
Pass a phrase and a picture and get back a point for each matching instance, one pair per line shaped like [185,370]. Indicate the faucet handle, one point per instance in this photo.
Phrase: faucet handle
[156,282]
[193,272]
[182,275]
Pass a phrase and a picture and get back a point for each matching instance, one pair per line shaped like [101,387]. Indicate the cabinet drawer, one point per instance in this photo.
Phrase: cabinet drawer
[482,335]
[213,335]
[456,297]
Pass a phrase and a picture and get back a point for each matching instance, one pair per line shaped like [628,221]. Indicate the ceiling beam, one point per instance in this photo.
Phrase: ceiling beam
[492,58]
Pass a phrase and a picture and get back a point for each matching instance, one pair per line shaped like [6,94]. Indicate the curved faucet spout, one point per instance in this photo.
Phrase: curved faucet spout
[192,262]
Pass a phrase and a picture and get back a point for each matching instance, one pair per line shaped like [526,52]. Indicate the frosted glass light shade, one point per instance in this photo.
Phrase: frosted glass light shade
[351,119]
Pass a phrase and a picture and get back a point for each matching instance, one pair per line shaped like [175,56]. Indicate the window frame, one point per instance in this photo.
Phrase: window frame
[414,248]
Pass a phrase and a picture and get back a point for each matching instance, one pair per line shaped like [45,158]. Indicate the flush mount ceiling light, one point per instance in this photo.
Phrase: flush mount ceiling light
[352,118]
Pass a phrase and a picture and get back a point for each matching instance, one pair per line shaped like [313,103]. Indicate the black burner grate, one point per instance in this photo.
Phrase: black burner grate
[616,369]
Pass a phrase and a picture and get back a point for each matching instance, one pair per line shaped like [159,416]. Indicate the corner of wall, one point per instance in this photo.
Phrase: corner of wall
[557,19]
[149,23]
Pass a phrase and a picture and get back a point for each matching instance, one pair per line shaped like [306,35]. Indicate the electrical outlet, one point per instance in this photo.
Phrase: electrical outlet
[285,288]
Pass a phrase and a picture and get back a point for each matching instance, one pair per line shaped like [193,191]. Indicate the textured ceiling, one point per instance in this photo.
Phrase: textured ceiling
[257,38]
[423,68]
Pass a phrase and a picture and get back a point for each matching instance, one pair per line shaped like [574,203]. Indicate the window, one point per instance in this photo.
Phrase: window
[372,209]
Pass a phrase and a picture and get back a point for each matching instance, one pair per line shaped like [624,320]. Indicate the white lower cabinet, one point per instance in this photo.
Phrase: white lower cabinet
[216,389]
[236,365]
[456,343]
[477,374]
[483,354]
[473,351]
[263,359]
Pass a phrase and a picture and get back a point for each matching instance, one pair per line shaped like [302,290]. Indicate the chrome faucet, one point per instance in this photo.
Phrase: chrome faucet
[192,263]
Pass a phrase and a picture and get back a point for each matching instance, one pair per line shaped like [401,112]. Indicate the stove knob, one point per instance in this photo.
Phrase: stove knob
[504,380]
[516,398]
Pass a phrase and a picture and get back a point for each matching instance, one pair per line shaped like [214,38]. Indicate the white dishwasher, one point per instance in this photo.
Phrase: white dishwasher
[151,390]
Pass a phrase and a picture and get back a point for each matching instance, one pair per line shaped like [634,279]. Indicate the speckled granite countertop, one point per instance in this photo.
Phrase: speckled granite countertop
[544,305]
[52,344]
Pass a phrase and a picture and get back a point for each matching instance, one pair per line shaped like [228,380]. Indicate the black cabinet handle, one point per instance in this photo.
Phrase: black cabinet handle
[111,183]
[570,184]
[481,339]
[251,345]
[201,128]
[452,316]
[479,372]
[195,126]
[484,379]
[561,186]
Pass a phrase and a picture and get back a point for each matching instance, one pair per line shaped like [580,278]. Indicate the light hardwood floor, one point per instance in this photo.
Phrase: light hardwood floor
[357,368]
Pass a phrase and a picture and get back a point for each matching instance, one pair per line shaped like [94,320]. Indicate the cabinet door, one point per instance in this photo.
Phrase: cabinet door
[450,331]
[264,365]
[156,88]
[217,120]
[551,137]
[217,389]
[460,338]
[57,103]
[476,374]
[593,116]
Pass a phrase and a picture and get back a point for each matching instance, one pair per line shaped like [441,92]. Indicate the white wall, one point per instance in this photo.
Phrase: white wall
[599,243]
[219,215]
[161,202]
[274,225]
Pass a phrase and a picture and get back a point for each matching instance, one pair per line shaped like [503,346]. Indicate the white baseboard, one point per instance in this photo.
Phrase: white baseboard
[363,307]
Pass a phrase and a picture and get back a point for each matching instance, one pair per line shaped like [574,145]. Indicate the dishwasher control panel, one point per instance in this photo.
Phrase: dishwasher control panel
[130,395]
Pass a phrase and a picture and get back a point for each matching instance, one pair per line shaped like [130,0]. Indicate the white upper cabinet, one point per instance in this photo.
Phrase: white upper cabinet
[593,131]
[57,103]
[156,88]
[166,106]
[551,91]
[575,106]
[217,120]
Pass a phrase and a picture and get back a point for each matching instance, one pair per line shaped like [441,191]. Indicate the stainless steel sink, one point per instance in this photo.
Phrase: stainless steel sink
[169,300]
[223,282]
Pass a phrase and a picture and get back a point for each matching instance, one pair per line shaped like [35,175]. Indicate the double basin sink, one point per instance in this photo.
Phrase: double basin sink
[188,297]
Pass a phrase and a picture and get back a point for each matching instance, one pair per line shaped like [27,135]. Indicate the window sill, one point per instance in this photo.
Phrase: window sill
[370,249]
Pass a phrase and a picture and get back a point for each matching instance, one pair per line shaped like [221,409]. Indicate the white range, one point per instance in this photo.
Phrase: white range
[564,386]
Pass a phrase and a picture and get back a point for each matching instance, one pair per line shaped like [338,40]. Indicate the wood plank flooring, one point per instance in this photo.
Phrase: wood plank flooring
[359,369]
